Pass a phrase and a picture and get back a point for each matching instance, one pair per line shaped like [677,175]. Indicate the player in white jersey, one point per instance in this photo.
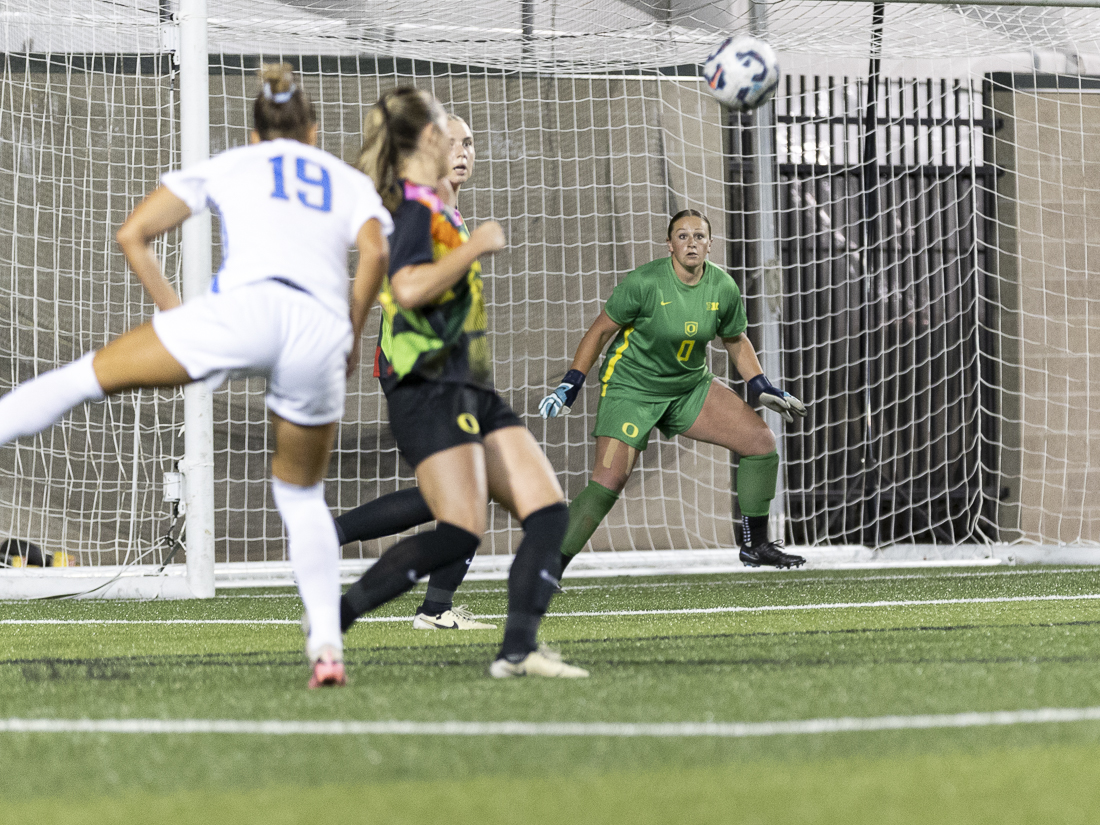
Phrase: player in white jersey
[277,308]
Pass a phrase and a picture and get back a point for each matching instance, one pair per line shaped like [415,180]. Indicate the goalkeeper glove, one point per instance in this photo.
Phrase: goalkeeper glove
[764,392]
[561,399]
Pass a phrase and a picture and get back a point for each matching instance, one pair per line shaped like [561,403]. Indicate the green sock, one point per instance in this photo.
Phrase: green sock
[586,512]
[756,475]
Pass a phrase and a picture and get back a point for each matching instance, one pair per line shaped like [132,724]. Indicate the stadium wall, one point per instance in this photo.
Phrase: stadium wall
[1048,149]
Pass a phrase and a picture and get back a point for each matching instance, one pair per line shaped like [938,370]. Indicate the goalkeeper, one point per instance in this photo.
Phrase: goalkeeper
[661,317]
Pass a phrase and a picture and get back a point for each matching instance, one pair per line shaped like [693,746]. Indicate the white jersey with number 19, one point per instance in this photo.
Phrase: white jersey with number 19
[288,210]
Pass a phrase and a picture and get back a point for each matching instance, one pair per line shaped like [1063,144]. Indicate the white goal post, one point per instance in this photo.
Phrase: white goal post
[912,221]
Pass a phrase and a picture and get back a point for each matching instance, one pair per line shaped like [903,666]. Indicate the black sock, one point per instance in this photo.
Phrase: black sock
[520,636]
[754,530]
[533,579]
[385,516]
[442,585]
[347,613]
[565,561]
[434,608]
[402,566]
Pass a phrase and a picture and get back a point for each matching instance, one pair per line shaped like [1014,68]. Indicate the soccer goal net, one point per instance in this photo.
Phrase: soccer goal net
[913,222]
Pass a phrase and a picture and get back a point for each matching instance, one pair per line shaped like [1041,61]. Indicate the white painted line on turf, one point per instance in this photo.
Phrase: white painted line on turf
[296,622]
[757,581]
[684,611]
[807,578]
[687,611]
[726,730]
[748,579]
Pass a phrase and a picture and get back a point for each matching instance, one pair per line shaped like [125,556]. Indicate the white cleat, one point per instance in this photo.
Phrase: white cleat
[457,618]
[541,662]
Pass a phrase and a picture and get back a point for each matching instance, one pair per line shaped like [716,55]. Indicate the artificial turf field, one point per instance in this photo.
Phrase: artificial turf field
[931,695]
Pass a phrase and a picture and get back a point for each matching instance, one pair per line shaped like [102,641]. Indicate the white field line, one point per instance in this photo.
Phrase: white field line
[688,611]
[730,730]
[757,580]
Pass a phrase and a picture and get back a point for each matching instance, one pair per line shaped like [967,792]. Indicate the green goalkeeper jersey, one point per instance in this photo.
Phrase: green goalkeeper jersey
[660,351]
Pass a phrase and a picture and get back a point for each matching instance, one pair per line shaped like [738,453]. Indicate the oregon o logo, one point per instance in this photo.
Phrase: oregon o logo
[630,430]
[468,424]
[690,327]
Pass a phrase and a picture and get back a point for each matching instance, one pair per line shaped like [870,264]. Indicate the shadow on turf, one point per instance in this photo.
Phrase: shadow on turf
[50,669]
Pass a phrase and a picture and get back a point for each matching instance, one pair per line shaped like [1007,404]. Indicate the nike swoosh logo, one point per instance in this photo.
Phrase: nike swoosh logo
[665,303]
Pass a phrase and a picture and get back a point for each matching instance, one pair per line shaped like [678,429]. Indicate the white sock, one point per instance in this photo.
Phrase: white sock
[36,404]
[315,558]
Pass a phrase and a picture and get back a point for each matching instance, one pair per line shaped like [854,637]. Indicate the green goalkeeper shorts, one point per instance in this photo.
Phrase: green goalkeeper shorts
[630,419]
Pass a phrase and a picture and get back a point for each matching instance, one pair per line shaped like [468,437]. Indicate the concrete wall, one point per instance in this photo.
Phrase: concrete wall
[1049,244]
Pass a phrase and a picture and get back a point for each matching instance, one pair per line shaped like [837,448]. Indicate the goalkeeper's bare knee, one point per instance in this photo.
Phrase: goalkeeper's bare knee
[760,441]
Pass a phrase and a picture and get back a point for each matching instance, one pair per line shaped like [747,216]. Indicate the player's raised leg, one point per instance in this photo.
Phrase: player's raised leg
[42,401]
[135,359]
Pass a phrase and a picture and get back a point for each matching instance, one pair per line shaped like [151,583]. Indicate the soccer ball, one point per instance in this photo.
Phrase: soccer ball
[742,73]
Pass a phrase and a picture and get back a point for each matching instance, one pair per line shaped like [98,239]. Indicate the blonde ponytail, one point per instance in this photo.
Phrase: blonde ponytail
[391,130]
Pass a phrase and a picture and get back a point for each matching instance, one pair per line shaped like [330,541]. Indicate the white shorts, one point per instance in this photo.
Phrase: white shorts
[266,329]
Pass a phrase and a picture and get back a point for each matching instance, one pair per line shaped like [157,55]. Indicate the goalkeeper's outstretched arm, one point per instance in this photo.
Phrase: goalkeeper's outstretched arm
[743,357]
[603,329]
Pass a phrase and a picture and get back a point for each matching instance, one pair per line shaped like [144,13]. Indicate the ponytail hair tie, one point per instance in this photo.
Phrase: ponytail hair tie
[279,97]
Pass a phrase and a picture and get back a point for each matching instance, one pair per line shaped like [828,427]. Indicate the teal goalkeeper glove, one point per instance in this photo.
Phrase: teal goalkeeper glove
[762,391]
[563,397]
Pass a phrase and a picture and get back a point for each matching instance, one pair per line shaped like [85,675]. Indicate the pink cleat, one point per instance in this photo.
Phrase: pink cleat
[328,671]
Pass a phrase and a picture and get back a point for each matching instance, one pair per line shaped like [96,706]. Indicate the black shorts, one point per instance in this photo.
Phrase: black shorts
[427,417]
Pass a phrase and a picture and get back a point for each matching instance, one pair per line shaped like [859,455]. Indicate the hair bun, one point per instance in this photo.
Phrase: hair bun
[282,107]
[279,97]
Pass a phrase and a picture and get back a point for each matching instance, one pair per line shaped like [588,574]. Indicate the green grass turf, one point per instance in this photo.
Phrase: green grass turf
[814,646]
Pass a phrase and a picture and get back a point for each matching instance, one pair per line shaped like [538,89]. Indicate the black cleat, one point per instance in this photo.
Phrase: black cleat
[769,554]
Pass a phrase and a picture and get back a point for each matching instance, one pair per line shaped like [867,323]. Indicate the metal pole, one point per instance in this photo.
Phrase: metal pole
[198,413]
[771,357]
[527,30]
[871,259]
